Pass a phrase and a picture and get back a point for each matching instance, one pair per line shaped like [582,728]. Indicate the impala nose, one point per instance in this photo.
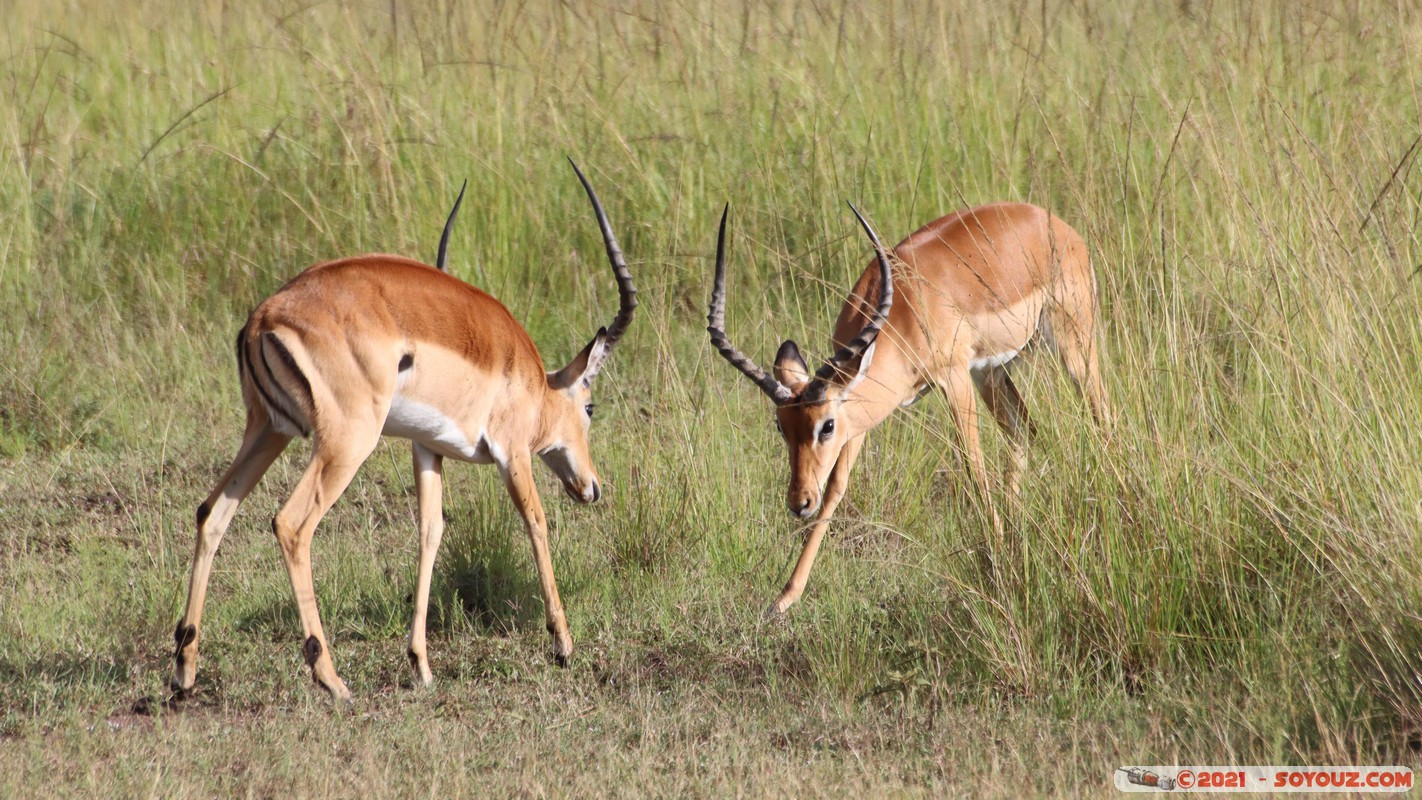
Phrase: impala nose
[802,507]
[590,493]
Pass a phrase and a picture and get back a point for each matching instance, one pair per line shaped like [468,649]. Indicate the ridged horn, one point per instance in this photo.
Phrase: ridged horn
[626,290]
[840,361]
[716,323]
[449,226]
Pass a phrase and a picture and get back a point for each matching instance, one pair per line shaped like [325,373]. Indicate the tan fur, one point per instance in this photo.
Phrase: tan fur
[971,286]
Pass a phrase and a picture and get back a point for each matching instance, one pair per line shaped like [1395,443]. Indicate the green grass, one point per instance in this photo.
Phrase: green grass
[1233,578]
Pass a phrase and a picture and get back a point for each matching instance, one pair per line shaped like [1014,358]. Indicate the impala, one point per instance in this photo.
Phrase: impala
[964,295]
[376,345]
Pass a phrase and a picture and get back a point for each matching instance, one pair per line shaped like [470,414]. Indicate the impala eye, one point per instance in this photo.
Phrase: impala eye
[589,409]
[827,430]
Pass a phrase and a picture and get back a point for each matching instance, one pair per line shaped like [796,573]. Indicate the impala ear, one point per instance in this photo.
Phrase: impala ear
[790,366]
[864,360]
[584,366]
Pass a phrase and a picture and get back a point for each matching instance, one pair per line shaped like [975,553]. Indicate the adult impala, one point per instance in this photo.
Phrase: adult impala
[965,294]
[378,344]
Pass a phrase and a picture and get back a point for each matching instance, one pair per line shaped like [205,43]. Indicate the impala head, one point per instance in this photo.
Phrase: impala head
[809,408]
[568,405]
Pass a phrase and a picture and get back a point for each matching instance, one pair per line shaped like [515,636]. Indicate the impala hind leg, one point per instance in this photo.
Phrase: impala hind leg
[834,492]
[1073,333]
[330,471]
[429,471]
[1003,399]
[518,479]
[260,447]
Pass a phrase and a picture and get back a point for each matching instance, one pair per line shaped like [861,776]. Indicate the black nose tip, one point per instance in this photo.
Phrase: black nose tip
[802,509]
[597,491]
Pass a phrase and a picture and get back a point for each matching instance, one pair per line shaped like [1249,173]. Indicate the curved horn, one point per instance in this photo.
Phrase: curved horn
[449,226]
[626,290]
[856,347]
[716,322]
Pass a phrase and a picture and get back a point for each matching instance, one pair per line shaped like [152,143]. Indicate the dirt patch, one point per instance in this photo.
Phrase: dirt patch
[123,722]
[674,666]
[103,503]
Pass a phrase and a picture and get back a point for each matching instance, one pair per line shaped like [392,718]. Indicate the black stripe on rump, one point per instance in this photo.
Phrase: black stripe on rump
[267,399]
[272,405]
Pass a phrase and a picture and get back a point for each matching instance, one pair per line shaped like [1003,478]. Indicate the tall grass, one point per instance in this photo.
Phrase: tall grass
[1242,555]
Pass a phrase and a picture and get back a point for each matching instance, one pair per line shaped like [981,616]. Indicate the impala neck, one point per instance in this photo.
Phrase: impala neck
[550,411]
[891,382]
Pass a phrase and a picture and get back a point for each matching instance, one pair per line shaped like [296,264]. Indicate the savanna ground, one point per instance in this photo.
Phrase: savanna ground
[1232,578]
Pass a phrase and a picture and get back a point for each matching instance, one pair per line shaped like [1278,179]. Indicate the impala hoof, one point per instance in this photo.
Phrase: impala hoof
[563,652]
[776,613]
[183,680]
[562,643]
[180,692]
[337,689]
[423,678]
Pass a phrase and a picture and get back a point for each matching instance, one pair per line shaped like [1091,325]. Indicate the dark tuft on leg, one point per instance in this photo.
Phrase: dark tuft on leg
[202,512]
[414,659]
[183,636]
[312,650]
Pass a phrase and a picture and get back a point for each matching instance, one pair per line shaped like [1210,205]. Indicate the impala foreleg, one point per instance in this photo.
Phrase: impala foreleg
[325,479]
[260,447]
[429,468]
[963,405]
[518,478]
[834,492]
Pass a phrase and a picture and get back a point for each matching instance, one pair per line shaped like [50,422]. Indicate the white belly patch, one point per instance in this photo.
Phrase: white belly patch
[429,426]
[989,362]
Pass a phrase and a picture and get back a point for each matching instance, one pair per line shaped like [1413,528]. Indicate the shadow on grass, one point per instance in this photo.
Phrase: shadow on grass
[485,579]
[277,618]
[485,582]
[68,670]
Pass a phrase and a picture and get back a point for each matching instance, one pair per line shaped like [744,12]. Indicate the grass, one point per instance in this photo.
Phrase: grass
[1233,578]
